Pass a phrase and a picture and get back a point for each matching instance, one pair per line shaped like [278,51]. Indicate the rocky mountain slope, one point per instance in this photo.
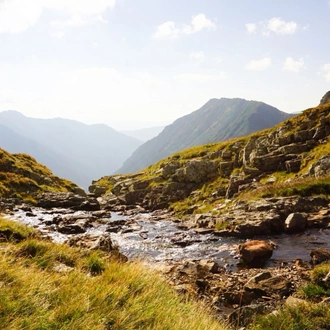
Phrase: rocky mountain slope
[262,177]
[217,120]
[69,148]
[23,178]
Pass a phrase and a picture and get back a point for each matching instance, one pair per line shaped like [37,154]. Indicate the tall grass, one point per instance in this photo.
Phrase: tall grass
[93,292]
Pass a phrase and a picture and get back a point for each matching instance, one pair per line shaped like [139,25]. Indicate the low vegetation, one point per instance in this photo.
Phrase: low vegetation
[22,177]
[49,286]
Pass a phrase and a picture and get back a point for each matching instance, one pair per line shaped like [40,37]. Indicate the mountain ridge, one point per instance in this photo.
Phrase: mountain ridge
[74,150]
[217,120]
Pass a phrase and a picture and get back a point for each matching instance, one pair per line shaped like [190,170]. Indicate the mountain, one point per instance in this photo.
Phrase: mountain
[69,148]
[263,177]
[145,134]
[218,120]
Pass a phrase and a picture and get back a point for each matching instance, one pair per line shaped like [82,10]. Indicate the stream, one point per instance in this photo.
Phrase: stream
[164,240]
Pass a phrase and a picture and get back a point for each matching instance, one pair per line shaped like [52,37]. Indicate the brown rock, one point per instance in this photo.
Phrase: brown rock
[255,252]
[319,255]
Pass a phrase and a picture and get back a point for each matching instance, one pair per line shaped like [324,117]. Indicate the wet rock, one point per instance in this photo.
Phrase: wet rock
[295,222]
[93,242]
[102,214]
[71,229]
[68,200]
[319,255]
[255,252]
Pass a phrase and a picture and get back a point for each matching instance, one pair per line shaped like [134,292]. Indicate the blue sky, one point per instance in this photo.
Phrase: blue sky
[132,64]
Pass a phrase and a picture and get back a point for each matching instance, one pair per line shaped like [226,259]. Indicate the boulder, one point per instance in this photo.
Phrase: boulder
[255,252]
[295,222]
[319,255]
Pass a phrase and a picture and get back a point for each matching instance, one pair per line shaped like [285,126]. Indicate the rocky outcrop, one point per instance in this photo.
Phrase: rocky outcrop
[68,200]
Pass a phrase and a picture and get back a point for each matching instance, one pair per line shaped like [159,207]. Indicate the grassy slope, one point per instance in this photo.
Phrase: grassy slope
[22,176]
[96,293]
[297,185]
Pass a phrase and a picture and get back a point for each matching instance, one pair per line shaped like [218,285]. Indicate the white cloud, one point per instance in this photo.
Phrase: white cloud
[193,78]
[291,65]
[200,22]
[251,28]
[197,56]
[326,70]
[18,15]
[259,65]
[173,30]
[167,30]
[279,26]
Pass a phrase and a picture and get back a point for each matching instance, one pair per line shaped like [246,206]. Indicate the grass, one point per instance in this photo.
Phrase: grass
[301,317]
[21,176]
[303,187]
[93,293]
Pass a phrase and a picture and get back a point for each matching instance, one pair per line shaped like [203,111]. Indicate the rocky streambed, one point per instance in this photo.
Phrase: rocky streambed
[155,237]
[193,260]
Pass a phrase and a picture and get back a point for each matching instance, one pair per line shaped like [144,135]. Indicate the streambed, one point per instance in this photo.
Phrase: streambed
[145,237]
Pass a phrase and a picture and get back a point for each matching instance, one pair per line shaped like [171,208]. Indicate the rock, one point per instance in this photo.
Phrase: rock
[295,222]
[294,302]
[321,167]
[71,229]
[211,266]
[97,190]
[94,242]
[319,255]
[68,200]
[255,252]
[259,277]
[326,98]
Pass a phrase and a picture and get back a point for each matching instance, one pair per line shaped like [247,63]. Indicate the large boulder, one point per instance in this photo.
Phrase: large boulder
[255,252]
[295,222]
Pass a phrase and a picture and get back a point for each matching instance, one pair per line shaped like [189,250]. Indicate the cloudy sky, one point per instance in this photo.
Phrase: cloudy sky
[137,63]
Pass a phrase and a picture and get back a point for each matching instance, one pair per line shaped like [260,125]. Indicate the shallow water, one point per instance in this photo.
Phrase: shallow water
[162,240]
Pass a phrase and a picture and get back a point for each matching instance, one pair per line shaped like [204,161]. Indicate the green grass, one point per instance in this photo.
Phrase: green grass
[301,317]
[119,295]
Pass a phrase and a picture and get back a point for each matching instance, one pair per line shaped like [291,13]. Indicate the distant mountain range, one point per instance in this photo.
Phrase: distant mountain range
[218,120]
[144,134]
[71,149]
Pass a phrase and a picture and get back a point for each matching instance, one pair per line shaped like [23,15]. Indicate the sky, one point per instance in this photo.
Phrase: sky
[141,63]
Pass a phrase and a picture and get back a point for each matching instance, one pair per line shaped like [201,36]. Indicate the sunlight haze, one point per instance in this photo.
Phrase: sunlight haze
[133,64]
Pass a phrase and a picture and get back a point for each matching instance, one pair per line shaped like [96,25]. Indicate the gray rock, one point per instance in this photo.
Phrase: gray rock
[295,222]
